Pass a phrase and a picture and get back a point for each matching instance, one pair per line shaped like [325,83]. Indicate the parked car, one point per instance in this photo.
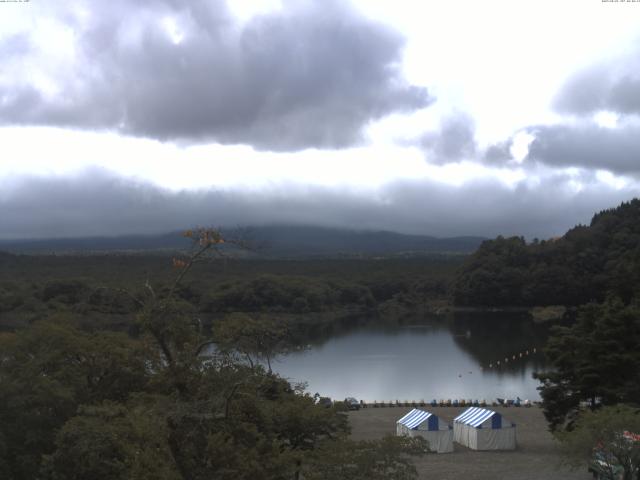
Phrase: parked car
[325,402]
[352,403]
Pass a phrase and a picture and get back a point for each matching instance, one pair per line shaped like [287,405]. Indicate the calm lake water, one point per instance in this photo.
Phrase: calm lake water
[427,359]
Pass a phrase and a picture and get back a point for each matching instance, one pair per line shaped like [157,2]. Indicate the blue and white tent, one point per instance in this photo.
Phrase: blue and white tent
[439,434]
[482,429]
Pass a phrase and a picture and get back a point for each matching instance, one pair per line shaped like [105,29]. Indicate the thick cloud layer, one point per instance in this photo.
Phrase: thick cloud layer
[98,203]
[311,75]
[611,86]
[588,146]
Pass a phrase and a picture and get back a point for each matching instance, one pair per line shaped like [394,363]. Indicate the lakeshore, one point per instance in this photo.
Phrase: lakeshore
[535,458]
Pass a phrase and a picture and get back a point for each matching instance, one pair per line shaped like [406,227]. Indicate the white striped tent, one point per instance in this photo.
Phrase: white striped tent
[417,422]
[482,429]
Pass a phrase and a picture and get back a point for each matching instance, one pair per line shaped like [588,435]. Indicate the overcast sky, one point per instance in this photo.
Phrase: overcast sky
[443,118]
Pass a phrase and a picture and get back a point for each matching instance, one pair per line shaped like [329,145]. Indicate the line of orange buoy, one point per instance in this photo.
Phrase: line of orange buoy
[513,357]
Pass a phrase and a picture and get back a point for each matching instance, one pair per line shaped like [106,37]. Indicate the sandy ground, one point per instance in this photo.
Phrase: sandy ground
[536,457]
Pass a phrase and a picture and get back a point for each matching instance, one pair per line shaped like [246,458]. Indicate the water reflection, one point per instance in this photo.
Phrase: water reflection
[423,359]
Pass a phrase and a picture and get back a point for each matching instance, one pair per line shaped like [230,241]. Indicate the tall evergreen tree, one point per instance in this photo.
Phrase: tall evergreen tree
[595,362]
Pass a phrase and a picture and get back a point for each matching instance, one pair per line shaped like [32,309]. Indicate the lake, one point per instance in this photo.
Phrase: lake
[427,359]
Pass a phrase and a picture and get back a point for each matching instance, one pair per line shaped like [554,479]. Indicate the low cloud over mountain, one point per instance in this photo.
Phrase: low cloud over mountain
[99,203]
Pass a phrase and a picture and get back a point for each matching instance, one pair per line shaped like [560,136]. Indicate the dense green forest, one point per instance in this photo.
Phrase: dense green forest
[79,400]
[105,371]
[90,288]
[596,362]
[585,265]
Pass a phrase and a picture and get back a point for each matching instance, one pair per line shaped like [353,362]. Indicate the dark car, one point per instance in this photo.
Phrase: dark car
[352,403]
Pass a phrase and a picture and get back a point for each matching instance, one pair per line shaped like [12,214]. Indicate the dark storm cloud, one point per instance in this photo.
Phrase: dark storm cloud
[588,146]
[98,203]
[311,75]
[612,86]
[453,142]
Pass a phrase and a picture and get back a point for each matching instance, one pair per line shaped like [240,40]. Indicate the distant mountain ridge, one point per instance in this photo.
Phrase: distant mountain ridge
[275,240]
[299,240]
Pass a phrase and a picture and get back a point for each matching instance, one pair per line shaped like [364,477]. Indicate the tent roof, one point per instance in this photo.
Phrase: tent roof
[414,418]
[474,416]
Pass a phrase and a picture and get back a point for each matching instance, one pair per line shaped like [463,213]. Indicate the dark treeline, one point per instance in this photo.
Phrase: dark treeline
[587,264]
[596,362]
[90,287]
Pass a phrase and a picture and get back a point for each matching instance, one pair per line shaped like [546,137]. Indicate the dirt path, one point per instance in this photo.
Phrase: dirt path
[536,457]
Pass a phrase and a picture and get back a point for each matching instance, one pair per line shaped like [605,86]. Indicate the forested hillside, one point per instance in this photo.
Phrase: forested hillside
[587,264]
[87,287]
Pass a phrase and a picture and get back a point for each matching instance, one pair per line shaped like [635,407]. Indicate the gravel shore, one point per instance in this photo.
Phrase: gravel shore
[536,457]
